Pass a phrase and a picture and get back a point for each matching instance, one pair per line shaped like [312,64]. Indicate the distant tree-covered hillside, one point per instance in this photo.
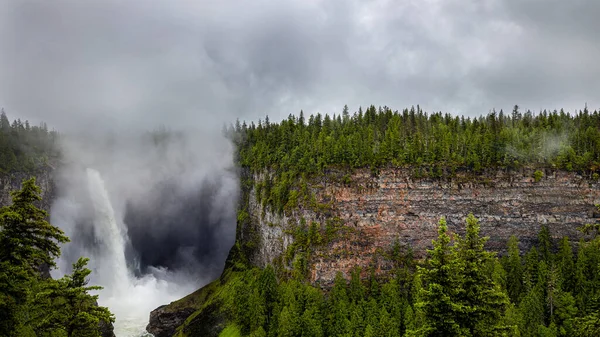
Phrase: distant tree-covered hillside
[24,147]
[379,137]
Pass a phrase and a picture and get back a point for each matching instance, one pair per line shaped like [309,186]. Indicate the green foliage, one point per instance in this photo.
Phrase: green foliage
[459,290]
[435,144]
[482,300]
[27,238]
[31,305]
[545,244]
[65,306]
[514,269]
[538,175]
[25,148]
[437,298]
[231,331]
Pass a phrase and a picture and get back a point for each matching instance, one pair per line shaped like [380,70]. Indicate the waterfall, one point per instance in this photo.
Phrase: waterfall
[131,299]
[112,259]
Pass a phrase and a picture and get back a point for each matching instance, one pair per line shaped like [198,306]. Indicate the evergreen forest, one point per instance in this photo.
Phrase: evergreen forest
[25,148]
[434,145]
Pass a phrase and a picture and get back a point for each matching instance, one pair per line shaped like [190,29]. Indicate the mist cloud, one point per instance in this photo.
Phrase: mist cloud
[122,64]
[174,196]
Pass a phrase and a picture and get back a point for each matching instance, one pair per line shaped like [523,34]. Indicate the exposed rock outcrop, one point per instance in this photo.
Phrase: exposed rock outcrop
[377,211]
[43,178]
[164,322]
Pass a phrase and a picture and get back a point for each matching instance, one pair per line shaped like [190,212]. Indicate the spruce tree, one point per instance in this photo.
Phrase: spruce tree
[437,297]
[514,270]
[566,264]
[26,237]
[67,307]
[482,301]
[545,245]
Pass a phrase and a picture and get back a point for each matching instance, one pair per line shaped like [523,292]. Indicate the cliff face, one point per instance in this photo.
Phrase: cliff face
[376,212]
[44,179]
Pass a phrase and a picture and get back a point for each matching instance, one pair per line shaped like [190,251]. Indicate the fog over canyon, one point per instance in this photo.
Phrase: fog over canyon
[155,212]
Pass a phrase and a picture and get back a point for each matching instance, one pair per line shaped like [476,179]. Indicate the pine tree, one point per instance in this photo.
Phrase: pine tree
[566,264]
[68,307]
[267,284]
[13,294]
[26,237]
[357,290]
[545,245]
[339,322]
[514,270]
[532,311]
[482,300]
[4,122]
[436,298]
[530,270]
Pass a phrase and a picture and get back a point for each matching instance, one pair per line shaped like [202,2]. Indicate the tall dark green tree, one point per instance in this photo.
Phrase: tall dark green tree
[26,236]
[437,297]
[566,264]
[514,270]
[68,307]
[481,300]
[545,245]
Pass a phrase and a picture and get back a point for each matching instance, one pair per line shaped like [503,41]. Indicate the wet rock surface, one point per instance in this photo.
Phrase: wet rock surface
[164,322]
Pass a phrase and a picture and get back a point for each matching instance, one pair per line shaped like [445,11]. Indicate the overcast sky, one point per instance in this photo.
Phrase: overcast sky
[181,63]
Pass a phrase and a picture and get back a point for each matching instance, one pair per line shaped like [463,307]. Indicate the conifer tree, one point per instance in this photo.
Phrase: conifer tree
[566,264]
[436,298]
[68,307]
[26,237]
[482,301]
[545,245]
[339,322]
[514,270]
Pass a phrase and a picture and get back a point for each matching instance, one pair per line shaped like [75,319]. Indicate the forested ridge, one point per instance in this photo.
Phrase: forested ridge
[24,148]
[434,145]
[379,137]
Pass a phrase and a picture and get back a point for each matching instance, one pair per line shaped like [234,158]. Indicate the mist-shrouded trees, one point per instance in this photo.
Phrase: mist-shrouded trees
[25,148]
[32,304]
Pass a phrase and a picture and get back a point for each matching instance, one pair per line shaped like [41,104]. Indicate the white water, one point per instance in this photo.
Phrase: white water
[131,299]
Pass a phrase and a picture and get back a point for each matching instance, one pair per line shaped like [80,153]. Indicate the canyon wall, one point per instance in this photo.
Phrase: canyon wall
[44,179]
[375,212]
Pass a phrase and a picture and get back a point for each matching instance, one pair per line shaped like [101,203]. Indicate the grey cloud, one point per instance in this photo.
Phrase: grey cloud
[182,63]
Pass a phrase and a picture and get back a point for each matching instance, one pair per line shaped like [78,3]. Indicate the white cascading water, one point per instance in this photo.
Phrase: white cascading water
[131,299]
